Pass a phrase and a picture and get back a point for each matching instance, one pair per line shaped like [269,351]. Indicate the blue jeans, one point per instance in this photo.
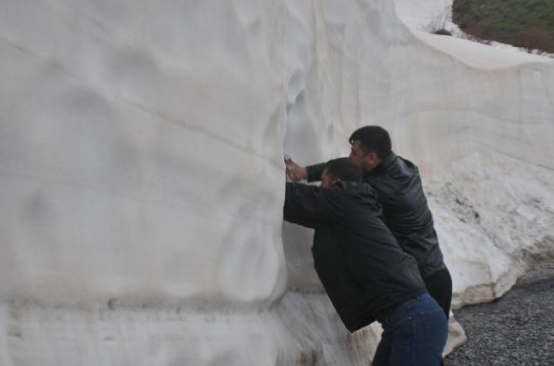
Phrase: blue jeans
[414,334]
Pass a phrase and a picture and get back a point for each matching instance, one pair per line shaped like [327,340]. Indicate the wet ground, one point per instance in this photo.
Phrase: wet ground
[517,329]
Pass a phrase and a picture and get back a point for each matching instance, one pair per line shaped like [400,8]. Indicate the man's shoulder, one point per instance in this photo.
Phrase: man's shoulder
[359,192]
[397,168]
[396,177]
[401,165]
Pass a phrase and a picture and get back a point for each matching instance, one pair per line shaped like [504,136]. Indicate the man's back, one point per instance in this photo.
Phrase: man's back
[358,260]
[405,210]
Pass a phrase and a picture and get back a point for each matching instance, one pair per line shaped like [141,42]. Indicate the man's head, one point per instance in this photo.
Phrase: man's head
[369,146]
[341,169]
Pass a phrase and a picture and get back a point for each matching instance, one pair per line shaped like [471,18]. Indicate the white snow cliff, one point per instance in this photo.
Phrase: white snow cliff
[142,176]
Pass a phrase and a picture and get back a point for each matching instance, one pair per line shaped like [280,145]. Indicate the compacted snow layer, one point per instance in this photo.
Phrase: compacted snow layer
[142,178]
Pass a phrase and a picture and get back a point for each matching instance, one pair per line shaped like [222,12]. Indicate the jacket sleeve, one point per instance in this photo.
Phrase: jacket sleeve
[311,206]
[314,172]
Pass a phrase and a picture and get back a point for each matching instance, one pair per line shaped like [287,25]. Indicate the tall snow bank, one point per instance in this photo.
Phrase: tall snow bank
[142,179]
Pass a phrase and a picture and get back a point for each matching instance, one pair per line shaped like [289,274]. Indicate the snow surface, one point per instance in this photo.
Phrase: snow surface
[430,16]
[142,178]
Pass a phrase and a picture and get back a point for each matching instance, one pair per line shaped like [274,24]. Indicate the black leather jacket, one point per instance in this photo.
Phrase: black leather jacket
[356,257]
[405,209]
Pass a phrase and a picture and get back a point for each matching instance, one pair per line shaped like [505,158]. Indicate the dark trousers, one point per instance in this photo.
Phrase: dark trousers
[414,334]
[439,285]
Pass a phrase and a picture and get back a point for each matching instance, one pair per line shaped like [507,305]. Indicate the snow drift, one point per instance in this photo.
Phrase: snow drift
[142,178]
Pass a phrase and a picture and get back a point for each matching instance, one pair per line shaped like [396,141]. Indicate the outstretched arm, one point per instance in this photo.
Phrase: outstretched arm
[311,206]
[314,172]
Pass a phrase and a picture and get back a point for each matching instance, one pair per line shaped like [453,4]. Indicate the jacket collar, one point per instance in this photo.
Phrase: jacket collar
[383,165]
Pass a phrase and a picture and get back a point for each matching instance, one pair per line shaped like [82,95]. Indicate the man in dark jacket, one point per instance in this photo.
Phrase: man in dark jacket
[405,210]
[364,271]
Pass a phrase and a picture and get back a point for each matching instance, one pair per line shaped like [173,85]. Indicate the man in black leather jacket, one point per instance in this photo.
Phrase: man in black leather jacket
[405,210]
[364,271]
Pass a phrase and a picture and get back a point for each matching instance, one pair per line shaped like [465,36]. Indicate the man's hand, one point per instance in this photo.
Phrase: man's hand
[295,172]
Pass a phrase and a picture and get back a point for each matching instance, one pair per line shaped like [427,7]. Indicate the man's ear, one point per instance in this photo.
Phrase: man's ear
[338,180]
[371,159]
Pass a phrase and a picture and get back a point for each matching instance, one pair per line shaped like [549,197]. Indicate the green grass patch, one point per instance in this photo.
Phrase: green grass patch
[522,23]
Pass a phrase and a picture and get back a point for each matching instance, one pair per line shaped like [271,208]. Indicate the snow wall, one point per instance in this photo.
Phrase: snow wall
[142,175]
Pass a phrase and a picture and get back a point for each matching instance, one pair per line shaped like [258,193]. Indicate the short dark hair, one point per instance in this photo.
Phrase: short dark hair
[344,169]
[373,138]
